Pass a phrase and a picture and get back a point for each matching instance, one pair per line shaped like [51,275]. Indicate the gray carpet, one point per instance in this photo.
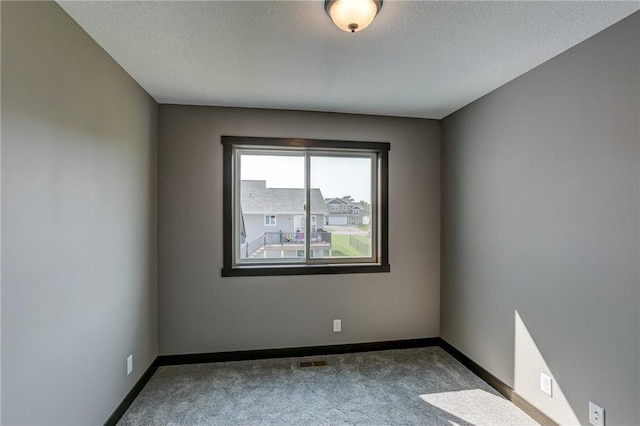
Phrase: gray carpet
[423,386]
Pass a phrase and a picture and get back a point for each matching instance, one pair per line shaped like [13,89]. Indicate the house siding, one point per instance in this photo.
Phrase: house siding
[344,215]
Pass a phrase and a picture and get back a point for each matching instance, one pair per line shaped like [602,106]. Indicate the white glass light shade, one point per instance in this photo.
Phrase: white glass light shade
[352,15]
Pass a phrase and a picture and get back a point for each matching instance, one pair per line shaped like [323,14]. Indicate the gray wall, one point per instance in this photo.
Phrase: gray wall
[201,312]
[0,234]
[79,288]
[541,217]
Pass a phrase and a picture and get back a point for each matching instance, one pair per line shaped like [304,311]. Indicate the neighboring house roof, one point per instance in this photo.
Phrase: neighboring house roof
[335,201]
[357,206]
[256,198]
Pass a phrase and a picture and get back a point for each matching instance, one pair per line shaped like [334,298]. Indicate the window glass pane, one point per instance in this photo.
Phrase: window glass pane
[343,211]
[268,230]
[271,212]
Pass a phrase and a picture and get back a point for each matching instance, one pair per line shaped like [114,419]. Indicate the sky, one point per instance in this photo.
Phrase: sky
[335,176]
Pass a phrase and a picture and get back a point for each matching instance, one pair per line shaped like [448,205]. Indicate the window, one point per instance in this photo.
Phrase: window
[356,211]
[287,183]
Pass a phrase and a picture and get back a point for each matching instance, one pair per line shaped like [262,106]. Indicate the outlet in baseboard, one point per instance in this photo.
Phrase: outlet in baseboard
[337,325]
[546,384]
[129,364]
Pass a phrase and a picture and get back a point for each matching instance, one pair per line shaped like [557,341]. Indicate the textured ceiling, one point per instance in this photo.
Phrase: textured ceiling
[417,59]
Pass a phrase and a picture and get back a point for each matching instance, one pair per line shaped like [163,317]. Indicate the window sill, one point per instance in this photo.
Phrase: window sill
[262,271]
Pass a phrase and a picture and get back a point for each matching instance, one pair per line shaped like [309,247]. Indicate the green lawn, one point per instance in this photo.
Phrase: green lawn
[341,247]
[362,238]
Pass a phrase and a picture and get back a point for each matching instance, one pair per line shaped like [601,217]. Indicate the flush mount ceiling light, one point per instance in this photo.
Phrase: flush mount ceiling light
[352,15]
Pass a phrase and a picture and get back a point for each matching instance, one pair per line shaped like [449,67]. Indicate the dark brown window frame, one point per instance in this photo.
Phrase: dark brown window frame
[231,270]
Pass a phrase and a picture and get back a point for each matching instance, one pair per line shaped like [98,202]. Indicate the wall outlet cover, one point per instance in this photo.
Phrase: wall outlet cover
[546,384]
[596,414]
[337,326]
[129,364]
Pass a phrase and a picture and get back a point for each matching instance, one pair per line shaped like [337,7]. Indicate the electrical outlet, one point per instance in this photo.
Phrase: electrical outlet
[337,326]
[129,364]
[596,414]
[546,384]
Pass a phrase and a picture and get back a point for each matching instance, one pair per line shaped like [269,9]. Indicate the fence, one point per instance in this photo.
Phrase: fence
[359,245]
